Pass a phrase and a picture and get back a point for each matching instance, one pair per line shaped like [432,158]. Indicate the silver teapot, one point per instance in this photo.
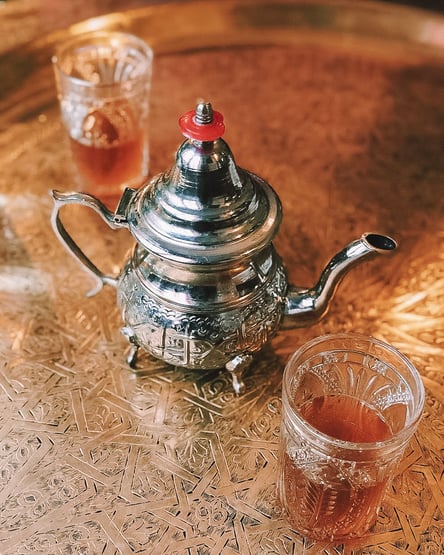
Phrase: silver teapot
[204,287]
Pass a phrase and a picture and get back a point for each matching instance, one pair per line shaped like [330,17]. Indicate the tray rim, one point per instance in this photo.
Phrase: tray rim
[367,24]
[413,19]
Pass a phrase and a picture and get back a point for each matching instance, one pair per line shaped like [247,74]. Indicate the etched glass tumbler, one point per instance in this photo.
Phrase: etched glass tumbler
[350,406]
[103,82]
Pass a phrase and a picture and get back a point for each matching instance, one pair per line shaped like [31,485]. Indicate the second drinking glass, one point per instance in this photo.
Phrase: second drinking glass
[103,81]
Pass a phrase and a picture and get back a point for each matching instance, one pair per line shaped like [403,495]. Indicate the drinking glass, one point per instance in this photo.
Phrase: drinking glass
[350,406]
[103,82]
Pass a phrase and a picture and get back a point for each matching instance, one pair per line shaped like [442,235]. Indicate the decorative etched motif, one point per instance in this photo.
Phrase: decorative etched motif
[327,373]
[200,341]
[96,459]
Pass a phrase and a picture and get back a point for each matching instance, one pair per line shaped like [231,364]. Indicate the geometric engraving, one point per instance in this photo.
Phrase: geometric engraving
[97,459]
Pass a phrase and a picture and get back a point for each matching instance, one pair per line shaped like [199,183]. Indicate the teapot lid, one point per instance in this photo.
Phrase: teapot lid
[205,209]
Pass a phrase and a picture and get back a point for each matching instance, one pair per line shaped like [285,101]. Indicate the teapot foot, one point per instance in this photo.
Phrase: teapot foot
[237,367]
[131,357]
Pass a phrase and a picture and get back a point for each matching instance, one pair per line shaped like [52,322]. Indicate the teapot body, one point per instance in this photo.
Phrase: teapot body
[201,317]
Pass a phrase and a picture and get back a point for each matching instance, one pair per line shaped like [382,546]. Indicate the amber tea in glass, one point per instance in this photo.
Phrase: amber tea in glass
[350,406]
[103,80]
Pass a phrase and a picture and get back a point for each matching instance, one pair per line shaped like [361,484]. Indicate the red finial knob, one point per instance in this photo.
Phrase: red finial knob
[203,123]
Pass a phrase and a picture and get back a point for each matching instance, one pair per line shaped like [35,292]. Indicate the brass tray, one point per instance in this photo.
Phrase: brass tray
[339,106]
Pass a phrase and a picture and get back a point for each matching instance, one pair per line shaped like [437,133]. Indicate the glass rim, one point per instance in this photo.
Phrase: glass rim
[82,39]
[393,442]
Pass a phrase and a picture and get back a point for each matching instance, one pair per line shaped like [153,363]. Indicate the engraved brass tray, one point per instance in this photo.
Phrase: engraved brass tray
[339,106]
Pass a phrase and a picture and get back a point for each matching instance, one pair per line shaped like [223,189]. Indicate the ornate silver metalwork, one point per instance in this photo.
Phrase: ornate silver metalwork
[97,459]
[204,286]
[204,322]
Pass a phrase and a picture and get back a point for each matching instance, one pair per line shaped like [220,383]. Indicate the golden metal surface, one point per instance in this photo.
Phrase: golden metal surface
[339,106]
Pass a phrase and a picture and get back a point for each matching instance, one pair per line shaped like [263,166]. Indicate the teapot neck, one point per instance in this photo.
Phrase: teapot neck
[205,175]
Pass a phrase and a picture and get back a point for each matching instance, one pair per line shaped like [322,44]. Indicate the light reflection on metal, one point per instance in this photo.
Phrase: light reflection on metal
[96,458]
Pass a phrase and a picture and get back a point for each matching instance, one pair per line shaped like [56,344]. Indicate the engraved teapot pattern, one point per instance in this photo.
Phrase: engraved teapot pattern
[204,287]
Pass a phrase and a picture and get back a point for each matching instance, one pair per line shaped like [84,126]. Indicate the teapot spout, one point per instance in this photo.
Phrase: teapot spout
[311,304]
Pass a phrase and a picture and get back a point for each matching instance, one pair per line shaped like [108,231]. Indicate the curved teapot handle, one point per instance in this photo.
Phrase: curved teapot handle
[114,220]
